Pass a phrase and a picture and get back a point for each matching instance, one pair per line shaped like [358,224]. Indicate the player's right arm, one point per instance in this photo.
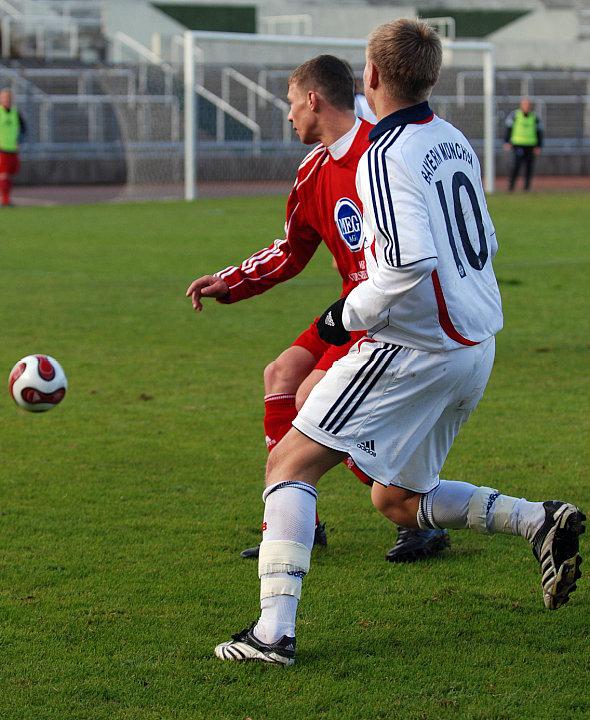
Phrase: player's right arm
[278,262]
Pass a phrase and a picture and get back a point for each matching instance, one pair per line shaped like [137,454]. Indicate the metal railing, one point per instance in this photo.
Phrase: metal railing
[224,109]
[43,31]
[18,83]
[254,91]
[84,79]
[566,118]
[527,79]
[47,22]
[177,55]
[123,43]
[88,116]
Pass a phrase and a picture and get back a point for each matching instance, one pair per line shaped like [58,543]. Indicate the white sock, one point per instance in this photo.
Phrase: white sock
[446,506]
[277,617]
[459,505]
[289,515]
[526,518]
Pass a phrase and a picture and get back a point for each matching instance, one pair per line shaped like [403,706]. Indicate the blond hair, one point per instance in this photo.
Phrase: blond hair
[408,56]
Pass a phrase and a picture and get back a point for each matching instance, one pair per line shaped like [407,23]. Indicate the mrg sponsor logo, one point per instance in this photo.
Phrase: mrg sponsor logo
[349,221]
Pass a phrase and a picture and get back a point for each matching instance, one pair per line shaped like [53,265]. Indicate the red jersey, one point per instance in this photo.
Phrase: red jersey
[323,206]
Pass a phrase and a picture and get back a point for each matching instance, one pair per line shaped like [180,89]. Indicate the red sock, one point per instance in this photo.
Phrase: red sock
[279,413]
[351,465]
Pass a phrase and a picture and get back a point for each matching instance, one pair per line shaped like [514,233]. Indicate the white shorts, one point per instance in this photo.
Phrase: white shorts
[396,411]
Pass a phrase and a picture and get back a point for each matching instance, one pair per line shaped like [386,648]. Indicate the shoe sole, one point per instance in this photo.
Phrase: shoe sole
[242,652]
[568,527]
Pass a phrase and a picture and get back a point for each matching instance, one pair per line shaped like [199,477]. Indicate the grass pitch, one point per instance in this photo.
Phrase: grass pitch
[122,512]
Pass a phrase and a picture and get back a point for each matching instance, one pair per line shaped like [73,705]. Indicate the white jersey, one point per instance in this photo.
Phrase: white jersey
[429,239]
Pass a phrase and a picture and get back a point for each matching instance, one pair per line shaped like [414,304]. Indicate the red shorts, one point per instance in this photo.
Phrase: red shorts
[9,163]
[324,353]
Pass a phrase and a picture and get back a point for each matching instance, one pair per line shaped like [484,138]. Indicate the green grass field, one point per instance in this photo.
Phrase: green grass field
[122,512]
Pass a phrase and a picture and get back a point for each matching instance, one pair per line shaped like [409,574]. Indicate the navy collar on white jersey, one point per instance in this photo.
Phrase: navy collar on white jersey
[414,114]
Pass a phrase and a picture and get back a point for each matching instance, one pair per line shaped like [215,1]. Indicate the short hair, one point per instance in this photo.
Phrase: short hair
[408,56]
[331,76]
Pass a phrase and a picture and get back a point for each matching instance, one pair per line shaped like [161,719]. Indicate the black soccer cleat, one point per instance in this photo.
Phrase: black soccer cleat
[413,545]
[319,538]
[556,546]
[246,646]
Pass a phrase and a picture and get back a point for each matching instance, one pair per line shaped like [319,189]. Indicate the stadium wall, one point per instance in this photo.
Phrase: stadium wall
[111,169]
[542,39]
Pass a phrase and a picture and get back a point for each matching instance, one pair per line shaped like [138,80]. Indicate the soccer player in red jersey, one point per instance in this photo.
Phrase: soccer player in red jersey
[322,207]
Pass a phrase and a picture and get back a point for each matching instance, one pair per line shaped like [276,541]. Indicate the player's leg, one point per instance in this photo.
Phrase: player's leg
[9,166]
[5,189]
[514,170]
[552,528]
[412,544]
[332,354]
[293,470]
[294,467]
[282,378]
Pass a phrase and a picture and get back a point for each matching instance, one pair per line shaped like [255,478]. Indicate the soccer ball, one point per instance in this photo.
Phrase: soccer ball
[37,383]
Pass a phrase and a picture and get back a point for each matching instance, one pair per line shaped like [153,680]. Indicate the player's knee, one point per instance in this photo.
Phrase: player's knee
[279,377]
[269,374]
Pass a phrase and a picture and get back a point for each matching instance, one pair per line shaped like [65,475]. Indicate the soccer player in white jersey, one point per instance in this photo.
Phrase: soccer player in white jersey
[396,402]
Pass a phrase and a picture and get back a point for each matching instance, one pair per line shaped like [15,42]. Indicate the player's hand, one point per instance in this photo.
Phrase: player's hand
[206,286]
[330,327]
[507,147]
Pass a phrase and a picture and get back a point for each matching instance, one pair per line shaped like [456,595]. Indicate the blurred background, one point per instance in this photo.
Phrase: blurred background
[100,85]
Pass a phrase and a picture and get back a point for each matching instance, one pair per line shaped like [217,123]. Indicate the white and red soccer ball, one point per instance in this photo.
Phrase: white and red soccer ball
[37,383]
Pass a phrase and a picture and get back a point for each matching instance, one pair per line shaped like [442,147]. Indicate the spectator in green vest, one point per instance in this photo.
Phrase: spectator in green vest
[524,134]
[12,129]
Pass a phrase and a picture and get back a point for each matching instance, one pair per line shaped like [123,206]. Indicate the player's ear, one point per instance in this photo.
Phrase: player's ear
[313,100]
[372,75]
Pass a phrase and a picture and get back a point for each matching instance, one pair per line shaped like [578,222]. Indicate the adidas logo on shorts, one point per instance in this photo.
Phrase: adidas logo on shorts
[368,447]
